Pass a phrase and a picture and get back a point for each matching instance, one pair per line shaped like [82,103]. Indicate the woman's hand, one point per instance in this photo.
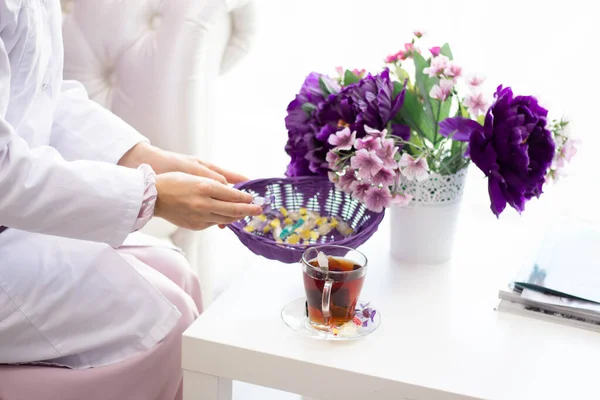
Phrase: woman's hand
[163,161]
[194,166]
[197,203]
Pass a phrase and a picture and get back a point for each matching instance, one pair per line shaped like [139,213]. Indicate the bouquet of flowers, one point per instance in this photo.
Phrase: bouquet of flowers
[419,116]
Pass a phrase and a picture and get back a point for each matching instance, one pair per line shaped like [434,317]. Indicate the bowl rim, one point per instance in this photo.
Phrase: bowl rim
[376,219]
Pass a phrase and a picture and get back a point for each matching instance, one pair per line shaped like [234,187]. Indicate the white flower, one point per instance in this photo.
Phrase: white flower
[476,104]
[443,90]
[474,81]
[438,65]
[414,169]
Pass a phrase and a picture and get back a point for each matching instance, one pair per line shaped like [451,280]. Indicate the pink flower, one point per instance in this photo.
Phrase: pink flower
[370,143]
[359,189]
[567,152]
[419,34]
[435,51]
[409,49]
[402,54]
[476,104]
[401,200]
[339,70]
[374,132]
[346,180]
[438,65]
[387,152]
[443,90]
[343,140]
[359,72]
[391,58]
[366,163]
[332,158]
[475,81]
[453,71]
[384,177]
[411,168]
[376,199]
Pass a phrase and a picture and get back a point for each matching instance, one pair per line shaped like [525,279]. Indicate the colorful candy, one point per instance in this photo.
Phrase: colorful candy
[324,229]
[288,230]
[344,228]
[298,227]
[295,215]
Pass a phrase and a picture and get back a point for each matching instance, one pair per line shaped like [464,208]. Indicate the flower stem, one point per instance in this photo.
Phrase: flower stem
[437,123]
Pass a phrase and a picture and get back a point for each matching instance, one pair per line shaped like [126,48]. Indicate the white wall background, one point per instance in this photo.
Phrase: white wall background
[544,48]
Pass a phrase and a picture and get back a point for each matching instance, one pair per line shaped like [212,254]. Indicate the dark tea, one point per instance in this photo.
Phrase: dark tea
[345,290]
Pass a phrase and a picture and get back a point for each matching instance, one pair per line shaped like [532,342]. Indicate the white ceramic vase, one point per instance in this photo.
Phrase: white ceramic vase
[423,232]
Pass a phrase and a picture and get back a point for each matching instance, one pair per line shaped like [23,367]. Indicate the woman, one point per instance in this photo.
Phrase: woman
[75,181]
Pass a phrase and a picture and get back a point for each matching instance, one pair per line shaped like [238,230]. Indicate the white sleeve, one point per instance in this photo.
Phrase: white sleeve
[42,192]
[84,130]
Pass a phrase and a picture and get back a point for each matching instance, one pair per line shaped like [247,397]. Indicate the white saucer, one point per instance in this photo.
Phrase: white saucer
[294,316]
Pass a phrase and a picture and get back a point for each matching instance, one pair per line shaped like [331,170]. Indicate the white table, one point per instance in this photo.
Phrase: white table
[440,336]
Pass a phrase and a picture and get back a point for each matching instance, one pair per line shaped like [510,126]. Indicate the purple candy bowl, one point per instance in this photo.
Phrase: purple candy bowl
[316,194]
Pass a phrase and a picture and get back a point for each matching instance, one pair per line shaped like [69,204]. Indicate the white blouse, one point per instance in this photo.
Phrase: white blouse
[58,149]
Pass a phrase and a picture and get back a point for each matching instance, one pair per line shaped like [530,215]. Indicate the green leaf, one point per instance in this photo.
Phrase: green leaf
[462,112]
[445,109]
[324,87]
[442,110]
[457,147]
[401,73]
[350,78]
[481,120]
[424,84]
[412,150]
[452,163]
[397,88]
[413,114]
[308,108]
[445,50]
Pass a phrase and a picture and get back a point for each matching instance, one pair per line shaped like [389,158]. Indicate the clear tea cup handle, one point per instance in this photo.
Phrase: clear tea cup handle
[326,301]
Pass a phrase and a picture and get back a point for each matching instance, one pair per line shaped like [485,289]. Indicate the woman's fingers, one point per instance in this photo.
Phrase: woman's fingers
[234,210]
[232,177]
[198,202]
[222,220]
[229,194]
[198,169]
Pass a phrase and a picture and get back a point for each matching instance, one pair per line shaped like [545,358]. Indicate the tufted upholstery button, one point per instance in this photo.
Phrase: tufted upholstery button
[110,77]
[155,22]
[67,6]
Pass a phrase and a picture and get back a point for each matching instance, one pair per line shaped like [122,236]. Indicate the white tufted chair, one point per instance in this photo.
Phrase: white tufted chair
[156,64]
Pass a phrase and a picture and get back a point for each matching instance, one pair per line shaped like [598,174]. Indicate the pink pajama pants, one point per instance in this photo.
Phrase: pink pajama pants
[152,375]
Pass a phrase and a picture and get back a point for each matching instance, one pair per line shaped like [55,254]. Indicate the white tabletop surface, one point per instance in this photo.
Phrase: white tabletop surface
[440,336]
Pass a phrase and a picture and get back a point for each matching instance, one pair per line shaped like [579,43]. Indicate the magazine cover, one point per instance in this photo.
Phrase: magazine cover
[568,262]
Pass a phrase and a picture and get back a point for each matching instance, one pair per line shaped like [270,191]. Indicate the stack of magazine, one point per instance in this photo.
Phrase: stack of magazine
[562,283]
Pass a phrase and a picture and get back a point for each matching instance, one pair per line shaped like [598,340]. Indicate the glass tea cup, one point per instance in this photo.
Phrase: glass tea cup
[333,292]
